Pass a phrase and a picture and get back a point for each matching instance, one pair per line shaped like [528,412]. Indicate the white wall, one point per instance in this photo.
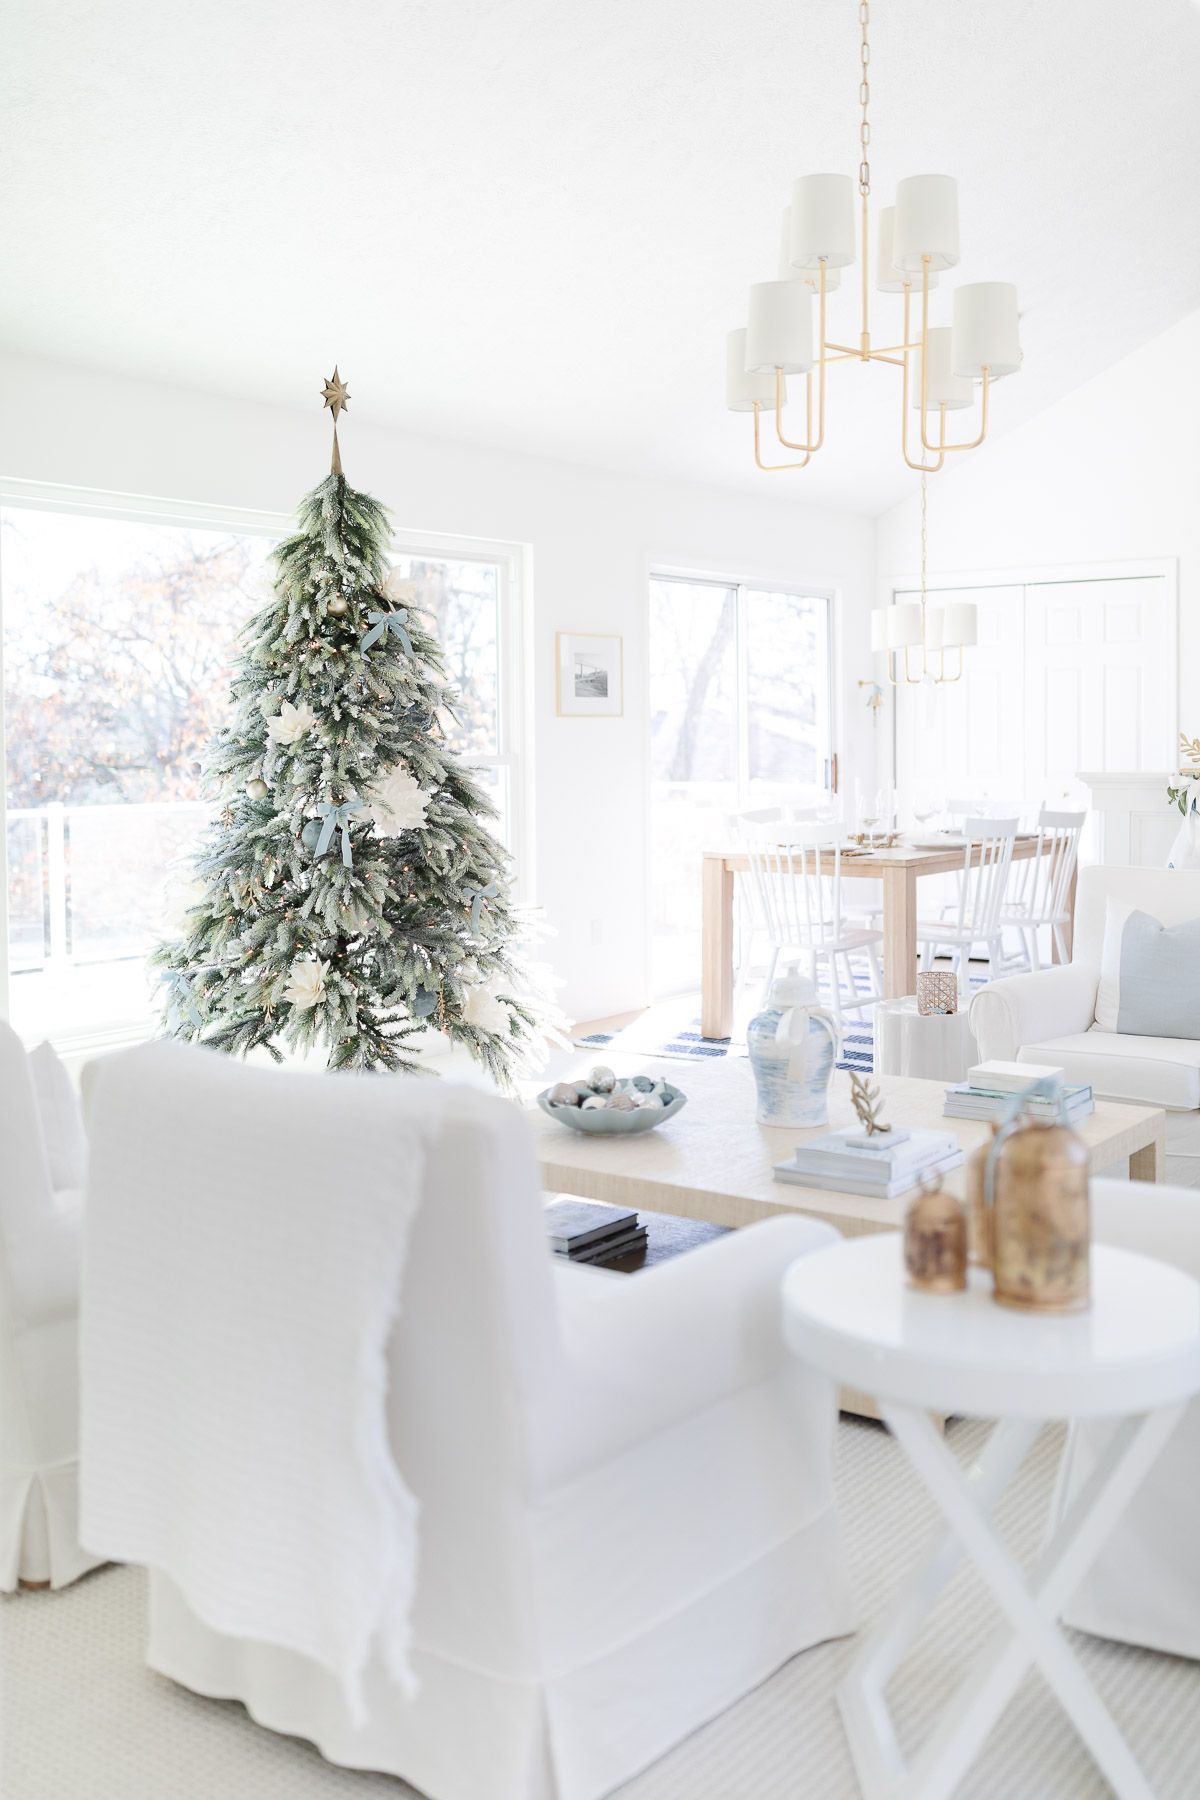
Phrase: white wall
[591,536]
[1110,473]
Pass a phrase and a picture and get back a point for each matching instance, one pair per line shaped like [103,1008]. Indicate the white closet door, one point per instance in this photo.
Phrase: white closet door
[1101,671]
[965,738]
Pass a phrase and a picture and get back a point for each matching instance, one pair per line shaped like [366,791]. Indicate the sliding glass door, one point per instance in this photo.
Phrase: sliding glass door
[739,717]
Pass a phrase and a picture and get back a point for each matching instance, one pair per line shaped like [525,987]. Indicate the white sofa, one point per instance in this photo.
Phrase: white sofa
[39,1324]
[625,1483]
[1050,1016]
[1144,1587]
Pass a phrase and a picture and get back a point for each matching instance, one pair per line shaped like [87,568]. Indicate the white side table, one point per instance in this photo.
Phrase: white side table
[933,1046]
[1133,1357]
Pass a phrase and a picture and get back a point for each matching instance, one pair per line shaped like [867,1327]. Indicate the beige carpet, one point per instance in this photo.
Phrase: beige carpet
[84,1720]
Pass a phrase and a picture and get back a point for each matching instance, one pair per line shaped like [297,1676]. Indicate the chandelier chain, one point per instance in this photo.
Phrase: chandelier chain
[864,100]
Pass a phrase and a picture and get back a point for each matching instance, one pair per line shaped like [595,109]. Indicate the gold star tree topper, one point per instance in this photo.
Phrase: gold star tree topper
[336,394]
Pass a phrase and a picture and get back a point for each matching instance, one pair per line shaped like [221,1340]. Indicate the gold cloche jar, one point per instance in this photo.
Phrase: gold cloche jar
[1040,1217]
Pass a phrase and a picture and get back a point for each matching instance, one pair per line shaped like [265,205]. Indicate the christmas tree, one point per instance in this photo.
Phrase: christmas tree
[349,894]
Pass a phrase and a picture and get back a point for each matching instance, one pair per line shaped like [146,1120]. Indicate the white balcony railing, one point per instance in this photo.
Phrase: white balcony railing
[88,884]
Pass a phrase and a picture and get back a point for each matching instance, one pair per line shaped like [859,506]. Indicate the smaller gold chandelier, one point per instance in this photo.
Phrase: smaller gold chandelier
[921,634]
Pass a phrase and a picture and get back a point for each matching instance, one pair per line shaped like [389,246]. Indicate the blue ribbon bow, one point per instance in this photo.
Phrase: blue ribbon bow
[475,898]
[181,999]
[336,817]
[383,622]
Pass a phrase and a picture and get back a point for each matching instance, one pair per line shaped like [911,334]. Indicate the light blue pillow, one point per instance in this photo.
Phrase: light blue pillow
[1160,978]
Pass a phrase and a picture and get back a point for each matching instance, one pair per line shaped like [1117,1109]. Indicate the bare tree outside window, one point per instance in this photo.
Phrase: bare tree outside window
[119,639]
[739,698]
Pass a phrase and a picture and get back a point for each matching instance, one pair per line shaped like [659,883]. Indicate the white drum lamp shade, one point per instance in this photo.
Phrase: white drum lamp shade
[833,277]
[904,624]
[943,388]
[742,390]
[925,223]
[986,330]
[933,628]
[960,624]
[822,221]
[779,331]
[888,278]
[896,627]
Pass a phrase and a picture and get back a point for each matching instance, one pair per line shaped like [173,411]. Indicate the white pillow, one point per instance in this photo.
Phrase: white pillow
[1185,851]
[61,1117]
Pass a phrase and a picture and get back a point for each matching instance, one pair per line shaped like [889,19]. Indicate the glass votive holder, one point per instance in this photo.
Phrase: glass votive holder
[937,991]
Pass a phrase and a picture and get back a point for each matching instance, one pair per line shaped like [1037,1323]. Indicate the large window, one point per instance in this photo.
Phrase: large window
[118,639]
[739,717]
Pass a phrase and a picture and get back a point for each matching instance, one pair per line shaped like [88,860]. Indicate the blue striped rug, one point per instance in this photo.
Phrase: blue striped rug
[687,1045]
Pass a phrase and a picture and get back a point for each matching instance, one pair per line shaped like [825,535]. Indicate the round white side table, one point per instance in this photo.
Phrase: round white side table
[934,1046]
[1133,1357]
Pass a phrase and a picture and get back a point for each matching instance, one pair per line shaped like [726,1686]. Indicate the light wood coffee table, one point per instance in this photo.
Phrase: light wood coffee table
[713,1161]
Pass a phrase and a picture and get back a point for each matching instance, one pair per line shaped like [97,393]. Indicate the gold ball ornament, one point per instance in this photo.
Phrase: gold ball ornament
[338,606]
[257,788]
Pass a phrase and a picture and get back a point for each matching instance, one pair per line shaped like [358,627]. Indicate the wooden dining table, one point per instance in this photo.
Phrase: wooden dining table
[898,869]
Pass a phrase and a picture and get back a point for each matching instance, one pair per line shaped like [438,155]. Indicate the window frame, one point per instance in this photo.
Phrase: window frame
[513,700]
[740,587]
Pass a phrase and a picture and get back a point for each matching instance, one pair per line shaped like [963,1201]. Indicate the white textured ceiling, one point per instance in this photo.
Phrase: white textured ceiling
[529,223]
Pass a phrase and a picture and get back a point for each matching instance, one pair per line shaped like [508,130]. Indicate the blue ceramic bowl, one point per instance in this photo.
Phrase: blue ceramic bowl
[602,1123]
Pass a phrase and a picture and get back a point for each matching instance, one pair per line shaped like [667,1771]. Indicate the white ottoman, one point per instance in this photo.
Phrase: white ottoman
[938,1047]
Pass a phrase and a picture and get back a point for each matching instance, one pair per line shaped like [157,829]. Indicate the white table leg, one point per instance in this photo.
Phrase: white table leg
[1032,1636]
[860,1694]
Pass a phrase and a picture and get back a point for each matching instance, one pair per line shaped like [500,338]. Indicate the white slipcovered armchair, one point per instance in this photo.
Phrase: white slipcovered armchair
[1050,1016]
[1144,1587]
[626,1507]
[39,1371]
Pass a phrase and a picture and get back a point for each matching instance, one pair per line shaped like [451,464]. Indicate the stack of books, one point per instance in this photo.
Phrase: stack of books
[588,1233]
[988,1091]
[882,1166]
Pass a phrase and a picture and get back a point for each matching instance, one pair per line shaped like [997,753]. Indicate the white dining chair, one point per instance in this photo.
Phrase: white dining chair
[802,910]
[1039,890]
[973,919]
[750,926]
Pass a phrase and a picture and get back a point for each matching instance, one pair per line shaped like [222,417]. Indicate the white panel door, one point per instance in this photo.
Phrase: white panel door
[1100,661]
[964,739]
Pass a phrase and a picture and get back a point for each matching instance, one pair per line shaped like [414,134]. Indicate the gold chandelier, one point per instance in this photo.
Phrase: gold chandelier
[916,240]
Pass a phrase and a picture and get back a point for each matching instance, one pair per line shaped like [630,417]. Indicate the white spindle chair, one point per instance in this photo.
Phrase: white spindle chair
[802,911]
[974,917]
[1039,890]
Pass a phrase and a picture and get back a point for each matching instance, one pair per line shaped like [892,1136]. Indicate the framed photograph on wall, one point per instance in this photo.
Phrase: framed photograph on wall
[589,676]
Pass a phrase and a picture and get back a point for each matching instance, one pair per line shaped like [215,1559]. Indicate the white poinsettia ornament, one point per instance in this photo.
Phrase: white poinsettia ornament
[291,723]
[306,984]
[485,1010]
[397,803]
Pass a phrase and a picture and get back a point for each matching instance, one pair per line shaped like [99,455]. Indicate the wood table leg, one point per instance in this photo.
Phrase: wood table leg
[899,932]
[716,948]
[1069,927]
[1149,1163]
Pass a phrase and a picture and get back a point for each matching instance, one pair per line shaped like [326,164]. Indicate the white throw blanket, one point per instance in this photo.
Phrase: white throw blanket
[243,1250]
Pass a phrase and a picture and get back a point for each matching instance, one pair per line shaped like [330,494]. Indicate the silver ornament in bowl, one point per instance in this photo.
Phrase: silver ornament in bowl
[601,1080]
[625,1110]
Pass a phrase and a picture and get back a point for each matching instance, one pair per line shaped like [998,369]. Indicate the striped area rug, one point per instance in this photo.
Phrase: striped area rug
[687,1044]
